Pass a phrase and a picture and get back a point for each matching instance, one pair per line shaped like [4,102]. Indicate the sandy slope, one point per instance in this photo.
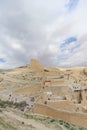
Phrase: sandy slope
[13,117]
[35,124]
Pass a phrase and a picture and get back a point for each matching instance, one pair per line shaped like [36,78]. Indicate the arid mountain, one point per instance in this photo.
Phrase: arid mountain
[28,80]
[48,88]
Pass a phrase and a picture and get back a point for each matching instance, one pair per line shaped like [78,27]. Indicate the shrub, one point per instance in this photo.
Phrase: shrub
[20,104]
[45,102]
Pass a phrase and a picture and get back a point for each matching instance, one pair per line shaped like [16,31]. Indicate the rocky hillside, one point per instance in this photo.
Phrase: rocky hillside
[13,119]
[26,81]
[33,82]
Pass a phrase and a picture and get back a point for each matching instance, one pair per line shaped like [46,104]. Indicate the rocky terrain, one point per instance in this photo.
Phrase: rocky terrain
[14,119]
[35,83]
[27,81]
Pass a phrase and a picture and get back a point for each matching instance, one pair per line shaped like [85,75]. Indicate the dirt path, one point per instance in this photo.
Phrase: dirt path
[37,125]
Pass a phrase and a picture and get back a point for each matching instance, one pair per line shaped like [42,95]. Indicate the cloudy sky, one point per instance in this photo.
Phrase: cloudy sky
[52,31]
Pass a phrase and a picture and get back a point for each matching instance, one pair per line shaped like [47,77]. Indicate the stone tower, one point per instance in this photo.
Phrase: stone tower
[35,65]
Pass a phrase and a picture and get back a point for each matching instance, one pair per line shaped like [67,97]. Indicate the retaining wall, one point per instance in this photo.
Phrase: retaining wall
[79,119]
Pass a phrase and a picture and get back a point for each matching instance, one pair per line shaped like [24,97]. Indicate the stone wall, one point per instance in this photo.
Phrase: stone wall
[59,91]
[79,119]
[84,98]
[57,82]
[64,105]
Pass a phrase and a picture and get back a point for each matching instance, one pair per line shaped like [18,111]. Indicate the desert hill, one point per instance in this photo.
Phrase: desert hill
[28,80]
[47,89]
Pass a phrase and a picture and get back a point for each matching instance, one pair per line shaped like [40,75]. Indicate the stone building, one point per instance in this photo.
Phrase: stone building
[79,95]
[84,97]
[75,93]
[35,65]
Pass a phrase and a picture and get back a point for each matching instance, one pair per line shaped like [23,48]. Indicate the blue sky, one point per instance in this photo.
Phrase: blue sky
[68,41]
[71,4]
[2,60]
[52,31]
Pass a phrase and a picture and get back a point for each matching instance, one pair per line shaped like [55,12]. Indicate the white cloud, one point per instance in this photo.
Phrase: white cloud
[36,29]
